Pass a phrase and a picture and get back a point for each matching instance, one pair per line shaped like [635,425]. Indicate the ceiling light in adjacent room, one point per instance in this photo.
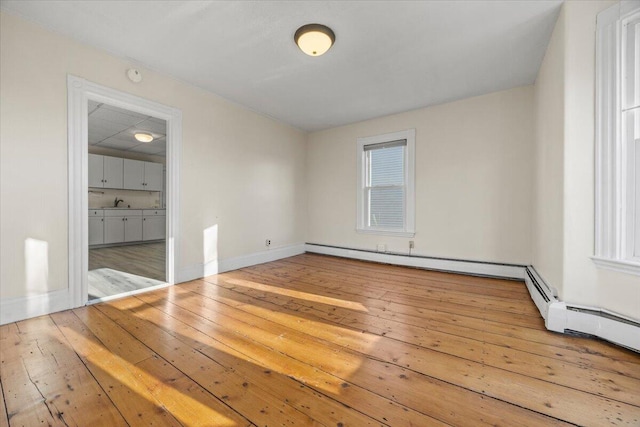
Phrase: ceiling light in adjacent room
[143,136]
[314,39]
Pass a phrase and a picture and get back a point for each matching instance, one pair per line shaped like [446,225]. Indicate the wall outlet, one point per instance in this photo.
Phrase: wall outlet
[411,244]
[381,247]
[267,242]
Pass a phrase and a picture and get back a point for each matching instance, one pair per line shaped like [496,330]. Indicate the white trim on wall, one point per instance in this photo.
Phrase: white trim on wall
[21,308]
[79,92]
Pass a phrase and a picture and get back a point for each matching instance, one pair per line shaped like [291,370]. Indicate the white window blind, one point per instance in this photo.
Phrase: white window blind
[385,185]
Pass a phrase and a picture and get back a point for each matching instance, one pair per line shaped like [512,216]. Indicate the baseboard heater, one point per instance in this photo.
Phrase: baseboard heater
[579,320]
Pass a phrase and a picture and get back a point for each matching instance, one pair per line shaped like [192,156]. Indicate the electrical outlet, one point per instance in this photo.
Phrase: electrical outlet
[411,244]
[382,247]
[267,242]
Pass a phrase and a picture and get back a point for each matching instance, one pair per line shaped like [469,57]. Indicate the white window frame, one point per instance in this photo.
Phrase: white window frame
[409,209]
[614,198]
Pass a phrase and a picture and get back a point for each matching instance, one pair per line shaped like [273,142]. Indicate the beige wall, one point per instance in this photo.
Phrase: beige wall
[563,220]
[548,162]
[583,282]
[473,179]
[241,172]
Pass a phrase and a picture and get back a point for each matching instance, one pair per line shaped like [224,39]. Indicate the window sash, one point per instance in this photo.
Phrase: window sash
[401,184]
[387,211]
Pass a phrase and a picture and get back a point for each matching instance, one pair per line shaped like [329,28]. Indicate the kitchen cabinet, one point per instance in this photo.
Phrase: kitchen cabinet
[139,175]
[96,227]
[153,224]
[122,225]
[113,229]
[105,171]
[153,176]
[132,228]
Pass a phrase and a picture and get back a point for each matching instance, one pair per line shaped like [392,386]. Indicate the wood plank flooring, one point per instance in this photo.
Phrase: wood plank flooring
[314,340]
[146,259]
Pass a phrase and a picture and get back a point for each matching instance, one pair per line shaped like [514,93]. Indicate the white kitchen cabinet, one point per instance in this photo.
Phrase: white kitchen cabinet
[96,170]
[96,227]
[105,171]
[122,225]
[132,228]
[139,175]
[153,224]
[113,229]
[133,174]
[153,176]
[113,172]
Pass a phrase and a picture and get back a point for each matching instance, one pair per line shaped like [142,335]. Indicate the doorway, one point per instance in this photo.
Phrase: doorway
[115,203]
[127,211]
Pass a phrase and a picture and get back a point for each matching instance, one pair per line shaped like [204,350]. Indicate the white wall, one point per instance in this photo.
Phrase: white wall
[242,173]
[473,179]
[548,162]
[563,221]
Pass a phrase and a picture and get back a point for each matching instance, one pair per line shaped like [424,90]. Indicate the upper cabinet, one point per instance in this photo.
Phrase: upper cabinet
[105,171]
[139,175]
[115,172]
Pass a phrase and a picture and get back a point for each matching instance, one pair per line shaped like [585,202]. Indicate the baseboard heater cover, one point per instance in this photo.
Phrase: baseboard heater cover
[577,320]
[474,268]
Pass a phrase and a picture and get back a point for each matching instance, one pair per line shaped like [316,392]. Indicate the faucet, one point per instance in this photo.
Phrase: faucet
[115,204]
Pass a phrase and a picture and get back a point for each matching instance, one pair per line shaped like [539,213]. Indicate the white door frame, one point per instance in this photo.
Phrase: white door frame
[80,91]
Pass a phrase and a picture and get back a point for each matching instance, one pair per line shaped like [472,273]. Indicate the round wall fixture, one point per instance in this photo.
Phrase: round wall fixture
[314,39]
[134,75]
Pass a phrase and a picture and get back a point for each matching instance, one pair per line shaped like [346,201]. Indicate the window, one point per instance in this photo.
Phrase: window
[618,138]
[386,184]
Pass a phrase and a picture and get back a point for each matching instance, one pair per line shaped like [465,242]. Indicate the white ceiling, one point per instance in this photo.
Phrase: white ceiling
[114,128]
[389,56]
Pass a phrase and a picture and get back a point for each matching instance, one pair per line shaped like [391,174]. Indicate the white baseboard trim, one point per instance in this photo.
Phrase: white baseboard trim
[21,308]
[508,271]
[566,318]
[220,266]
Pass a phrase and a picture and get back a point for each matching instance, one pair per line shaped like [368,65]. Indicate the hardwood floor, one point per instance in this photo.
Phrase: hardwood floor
[314,340]
[147,259]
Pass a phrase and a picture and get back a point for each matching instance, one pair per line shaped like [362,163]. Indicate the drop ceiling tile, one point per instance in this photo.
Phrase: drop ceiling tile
[121,144]
[147,149]
[116,117]
[151,125]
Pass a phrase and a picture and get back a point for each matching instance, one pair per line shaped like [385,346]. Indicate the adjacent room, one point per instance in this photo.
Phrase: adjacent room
[331,213]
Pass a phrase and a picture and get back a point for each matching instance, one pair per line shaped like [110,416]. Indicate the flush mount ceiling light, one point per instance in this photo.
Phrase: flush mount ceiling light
[143,136]
[314,39]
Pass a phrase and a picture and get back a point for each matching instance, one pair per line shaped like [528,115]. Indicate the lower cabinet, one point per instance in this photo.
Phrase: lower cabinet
[122,226]
[126,225]
[132,228]
[96,230]
[153,224]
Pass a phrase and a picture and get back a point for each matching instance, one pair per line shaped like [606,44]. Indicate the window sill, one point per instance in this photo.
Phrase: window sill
[621,266]
[386,232]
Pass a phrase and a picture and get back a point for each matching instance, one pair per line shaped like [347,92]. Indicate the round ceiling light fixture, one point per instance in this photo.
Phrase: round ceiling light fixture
[314,39]
[143,136]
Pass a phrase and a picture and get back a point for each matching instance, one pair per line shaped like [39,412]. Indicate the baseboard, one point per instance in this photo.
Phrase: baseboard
[21,308]
[220,266]
[477,268]
[567,318]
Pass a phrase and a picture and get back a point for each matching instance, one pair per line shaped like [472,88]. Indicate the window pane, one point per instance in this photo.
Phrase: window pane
[386,207]
[386,166]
